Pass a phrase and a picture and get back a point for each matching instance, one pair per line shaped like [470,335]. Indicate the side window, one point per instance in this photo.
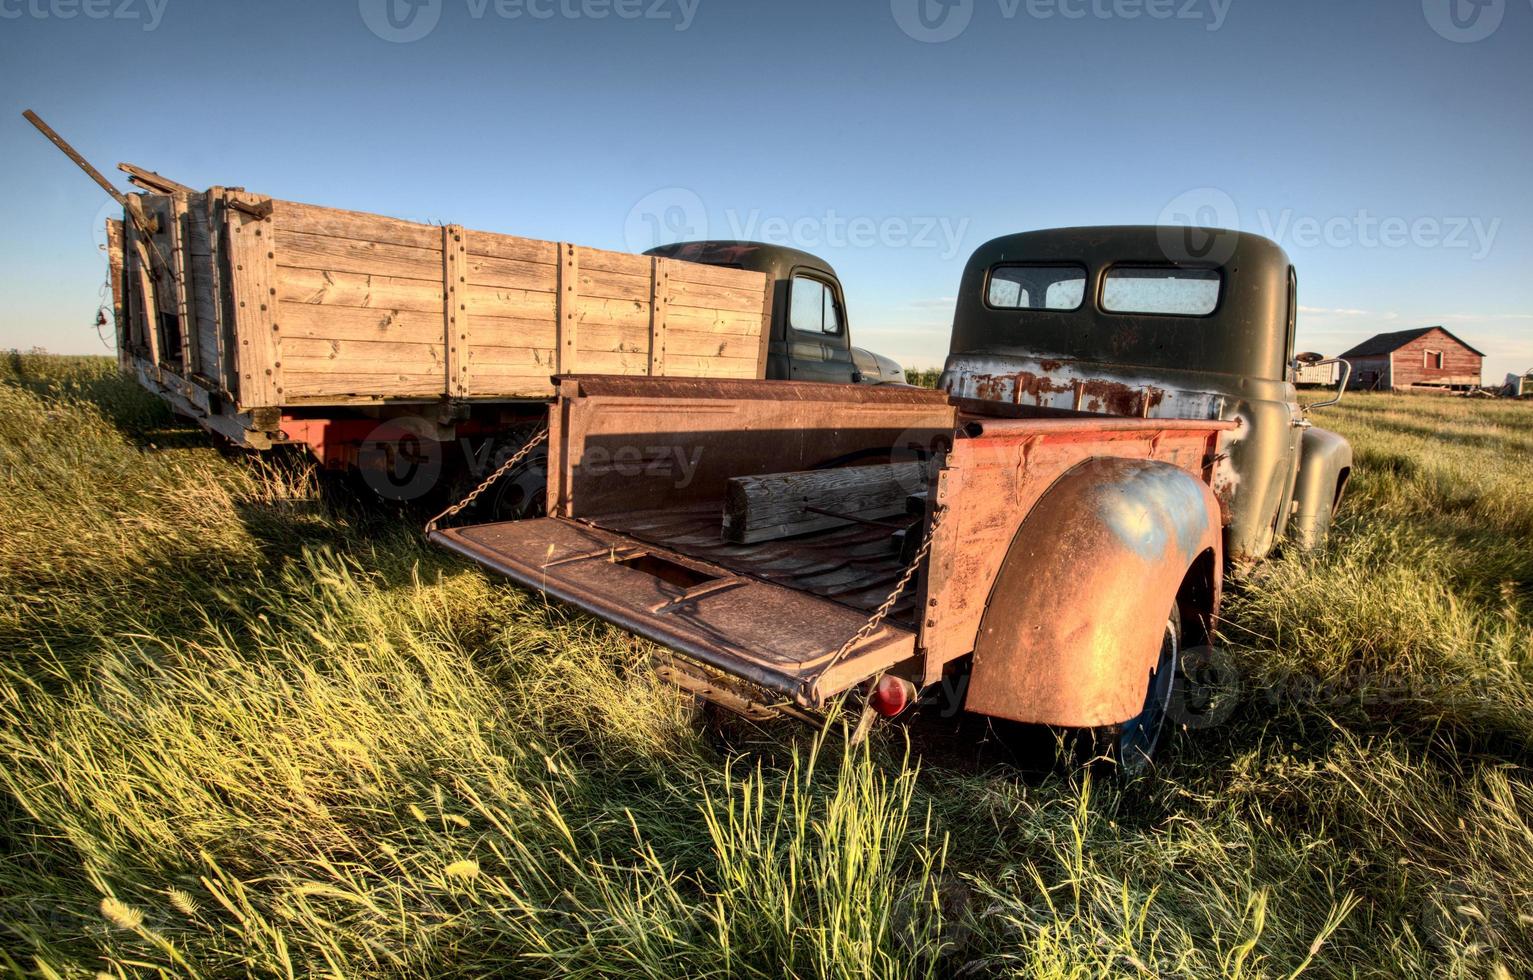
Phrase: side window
[812,307]
[1432,359]
[1036,287]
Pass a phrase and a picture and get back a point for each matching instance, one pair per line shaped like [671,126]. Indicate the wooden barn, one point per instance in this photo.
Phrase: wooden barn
[1423,358]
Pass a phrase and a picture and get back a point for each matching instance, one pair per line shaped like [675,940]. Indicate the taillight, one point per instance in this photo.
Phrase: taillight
[892,695]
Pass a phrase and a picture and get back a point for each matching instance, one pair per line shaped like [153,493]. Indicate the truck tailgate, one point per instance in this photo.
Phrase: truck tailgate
[779,638]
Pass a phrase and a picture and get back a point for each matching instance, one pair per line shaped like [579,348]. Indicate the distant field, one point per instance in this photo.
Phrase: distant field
[249,729]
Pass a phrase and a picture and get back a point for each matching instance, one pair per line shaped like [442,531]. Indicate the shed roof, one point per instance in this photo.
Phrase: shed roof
[1386,343]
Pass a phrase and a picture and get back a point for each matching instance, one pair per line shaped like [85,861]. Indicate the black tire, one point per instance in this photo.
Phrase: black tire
[1133,745]
[521,493]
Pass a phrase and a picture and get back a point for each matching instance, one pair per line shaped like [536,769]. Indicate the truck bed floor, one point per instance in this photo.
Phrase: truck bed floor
[855,565]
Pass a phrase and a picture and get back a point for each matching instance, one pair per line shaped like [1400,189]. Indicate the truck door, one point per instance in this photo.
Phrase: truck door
[1288,469]
[816,336]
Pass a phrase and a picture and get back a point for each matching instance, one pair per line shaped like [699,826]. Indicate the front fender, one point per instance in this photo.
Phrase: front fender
[1325,461]
[1076,617]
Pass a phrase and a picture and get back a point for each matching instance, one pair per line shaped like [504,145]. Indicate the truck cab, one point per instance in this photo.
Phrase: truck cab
[811,335]
[1119,320]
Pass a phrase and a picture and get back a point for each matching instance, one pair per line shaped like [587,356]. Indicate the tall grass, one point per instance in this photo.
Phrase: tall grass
[248,730]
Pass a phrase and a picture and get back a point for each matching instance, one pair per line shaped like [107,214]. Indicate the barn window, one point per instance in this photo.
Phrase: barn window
[1432,359]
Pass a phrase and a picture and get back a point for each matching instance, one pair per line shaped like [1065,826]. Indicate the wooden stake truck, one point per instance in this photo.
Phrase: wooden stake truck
[386,346]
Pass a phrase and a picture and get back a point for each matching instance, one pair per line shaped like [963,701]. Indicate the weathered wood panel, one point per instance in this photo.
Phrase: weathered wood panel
[597,311]
[309,321]
[253,282]
[290,216]
[689,366]
[309,355]
[116,266]
[707,297]
[496,331]
[292,303]
[484,243]
[485,270]
[304,251]
[779,505]
[201,287]
[338,387]
[688,342]
[742,323]
[343,289]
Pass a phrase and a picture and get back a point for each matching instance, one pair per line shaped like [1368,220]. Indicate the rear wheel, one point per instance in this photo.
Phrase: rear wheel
[1136,741]
[523,492]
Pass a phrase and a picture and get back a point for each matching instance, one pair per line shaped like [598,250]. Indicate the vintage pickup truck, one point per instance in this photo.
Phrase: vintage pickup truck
[1114,429]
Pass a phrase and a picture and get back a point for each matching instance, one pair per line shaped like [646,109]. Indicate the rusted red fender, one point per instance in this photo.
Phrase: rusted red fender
[1076,618]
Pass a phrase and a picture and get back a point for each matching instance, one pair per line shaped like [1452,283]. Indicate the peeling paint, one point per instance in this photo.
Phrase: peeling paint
[1056,383]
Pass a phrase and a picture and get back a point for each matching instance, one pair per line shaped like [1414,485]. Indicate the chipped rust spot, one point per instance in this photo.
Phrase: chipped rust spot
[1096,395]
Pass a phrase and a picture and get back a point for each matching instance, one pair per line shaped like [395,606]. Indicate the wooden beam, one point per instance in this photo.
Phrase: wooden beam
[779,505]
[213,216]
[568,353]
[252,269]
[149,303]
[115,258]
[659,309]
[762,355]
[180,283]
[151,181]
[455,293]
[74,155]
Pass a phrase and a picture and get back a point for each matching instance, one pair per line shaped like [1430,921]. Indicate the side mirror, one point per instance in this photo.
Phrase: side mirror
[1341,386]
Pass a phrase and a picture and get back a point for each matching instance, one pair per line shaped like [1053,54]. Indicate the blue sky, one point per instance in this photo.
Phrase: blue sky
[1388,147]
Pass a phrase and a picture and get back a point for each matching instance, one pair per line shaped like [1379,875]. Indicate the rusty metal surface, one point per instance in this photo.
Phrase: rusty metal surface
[1075,621]
[600,385]
[622,445]
[992,483]
[776,637]
[1254,480]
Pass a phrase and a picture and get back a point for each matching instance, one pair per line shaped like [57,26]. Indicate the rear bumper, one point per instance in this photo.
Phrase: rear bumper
[775,637]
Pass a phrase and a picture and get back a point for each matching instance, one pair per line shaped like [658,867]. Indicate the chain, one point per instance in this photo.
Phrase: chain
[502,470]
[882,611]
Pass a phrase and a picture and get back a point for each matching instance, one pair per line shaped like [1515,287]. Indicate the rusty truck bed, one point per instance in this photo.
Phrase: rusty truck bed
[639,542]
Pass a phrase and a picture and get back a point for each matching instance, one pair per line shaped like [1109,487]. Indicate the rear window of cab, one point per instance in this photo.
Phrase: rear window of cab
[1162,290]
[1152,289]
[1036,287]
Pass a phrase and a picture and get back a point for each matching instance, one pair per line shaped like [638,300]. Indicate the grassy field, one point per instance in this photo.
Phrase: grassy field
[247,729]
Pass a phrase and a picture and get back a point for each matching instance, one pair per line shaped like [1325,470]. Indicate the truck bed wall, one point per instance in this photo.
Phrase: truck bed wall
[278,304]
[619,446]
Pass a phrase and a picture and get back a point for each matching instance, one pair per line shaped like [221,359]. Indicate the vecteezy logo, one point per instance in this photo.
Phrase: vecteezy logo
[1195,226]
[671,214]
[401,459]
[400,21]
[1210,689]
[1464,21]
[932,21]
